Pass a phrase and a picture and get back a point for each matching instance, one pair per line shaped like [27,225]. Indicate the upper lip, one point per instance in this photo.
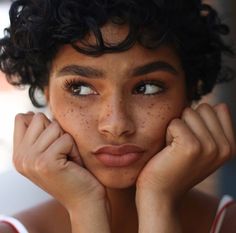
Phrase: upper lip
[118,150]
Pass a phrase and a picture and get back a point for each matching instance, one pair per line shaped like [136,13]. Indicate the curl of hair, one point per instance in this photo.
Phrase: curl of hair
[39,28]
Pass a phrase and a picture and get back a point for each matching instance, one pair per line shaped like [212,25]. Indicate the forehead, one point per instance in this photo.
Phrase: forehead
[115,34]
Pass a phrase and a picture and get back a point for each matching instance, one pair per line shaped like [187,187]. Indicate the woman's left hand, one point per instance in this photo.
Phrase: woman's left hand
[196,145]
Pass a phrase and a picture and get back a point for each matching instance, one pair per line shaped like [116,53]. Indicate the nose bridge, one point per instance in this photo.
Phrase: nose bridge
[115,117]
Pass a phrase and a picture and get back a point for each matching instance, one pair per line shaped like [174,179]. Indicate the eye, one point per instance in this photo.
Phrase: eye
[79,88]
[149,88]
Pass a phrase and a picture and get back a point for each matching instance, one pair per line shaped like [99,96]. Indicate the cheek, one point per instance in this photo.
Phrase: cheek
[74,118]
[155,120]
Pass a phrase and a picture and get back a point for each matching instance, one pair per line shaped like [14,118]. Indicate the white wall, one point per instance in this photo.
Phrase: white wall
[16,192]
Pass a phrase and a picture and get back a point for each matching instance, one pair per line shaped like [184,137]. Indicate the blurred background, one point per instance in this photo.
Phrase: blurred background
[13,101]
[16,192]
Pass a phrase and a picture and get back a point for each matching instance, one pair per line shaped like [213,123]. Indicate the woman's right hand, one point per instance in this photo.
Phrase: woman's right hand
[49,157]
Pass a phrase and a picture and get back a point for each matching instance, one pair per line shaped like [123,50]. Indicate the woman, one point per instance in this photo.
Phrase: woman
[124,148]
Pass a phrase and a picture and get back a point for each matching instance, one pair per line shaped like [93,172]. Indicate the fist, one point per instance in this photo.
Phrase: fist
[196,145]
[49,157]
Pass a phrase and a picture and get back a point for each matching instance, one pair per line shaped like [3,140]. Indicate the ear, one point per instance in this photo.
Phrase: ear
[47,96]
[46,93]
[47,99]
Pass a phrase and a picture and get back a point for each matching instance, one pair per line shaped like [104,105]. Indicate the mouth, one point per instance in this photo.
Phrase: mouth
[118,156]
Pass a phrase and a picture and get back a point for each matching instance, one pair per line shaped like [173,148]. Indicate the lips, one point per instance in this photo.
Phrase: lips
[118,156]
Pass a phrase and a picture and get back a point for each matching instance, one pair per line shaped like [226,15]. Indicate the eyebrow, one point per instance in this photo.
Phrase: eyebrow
[88,72]
[153,67]
[85,71]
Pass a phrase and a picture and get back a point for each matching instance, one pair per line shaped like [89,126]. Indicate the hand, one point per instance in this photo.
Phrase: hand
[196,145]
[48,156]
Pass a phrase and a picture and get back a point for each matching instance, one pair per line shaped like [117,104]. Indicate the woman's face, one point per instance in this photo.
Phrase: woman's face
[122,99]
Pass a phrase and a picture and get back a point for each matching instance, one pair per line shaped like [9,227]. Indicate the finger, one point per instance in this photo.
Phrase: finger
[38,124]
[190,151]
[75,155]
[22,122]
[30,112]
[181,138]
[199,128]
[64,148]
[224,116]
[213,124]
[48,136]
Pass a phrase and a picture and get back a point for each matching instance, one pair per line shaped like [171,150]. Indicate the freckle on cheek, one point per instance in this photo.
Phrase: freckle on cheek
[168,107]
[87,124]
[81,114]
[143,124]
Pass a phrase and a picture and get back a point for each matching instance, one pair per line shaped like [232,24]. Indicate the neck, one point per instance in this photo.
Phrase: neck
[123,209]
[121,196]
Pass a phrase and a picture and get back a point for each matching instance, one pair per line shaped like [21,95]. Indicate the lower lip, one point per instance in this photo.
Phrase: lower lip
[118,160]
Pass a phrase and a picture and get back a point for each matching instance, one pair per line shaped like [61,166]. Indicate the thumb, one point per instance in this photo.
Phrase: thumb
[75,156]
[169,136]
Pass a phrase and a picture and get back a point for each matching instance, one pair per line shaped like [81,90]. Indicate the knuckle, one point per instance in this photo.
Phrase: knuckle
[20,164]
[211,148]
[17,161]
[26,167]
[41,166]
[39,116]
[203,107]
[175,123]
[67,137]
[187,112]
[221,107]
[56,127]
[194,146]
[19,117]
[226,150]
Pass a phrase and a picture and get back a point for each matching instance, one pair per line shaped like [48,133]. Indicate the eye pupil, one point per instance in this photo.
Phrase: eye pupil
[76,89]
[149,88]
[142,88]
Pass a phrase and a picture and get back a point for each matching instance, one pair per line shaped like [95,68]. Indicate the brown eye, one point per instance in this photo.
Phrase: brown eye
[79,88]
[82,90]
[148,89]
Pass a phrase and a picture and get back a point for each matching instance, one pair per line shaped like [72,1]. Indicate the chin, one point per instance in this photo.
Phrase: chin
[117,180]
[112,185]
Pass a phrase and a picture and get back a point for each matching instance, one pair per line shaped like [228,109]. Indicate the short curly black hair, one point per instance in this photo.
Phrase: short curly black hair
[40,27]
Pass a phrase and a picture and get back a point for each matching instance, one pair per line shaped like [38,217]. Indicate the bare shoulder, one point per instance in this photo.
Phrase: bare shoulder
[48,217]
[229,224]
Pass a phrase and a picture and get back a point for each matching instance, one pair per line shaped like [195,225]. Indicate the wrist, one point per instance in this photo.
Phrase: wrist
[86,204]
[155,201]
[157,196]
[82,214]
[84,199]
[157,213]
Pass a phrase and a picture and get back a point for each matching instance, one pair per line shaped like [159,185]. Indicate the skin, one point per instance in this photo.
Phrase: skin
[115,115]
[57,155]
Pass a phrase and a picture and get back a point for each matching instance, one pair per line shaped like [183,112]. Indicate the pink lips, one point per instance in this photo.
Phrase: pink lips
[118,156]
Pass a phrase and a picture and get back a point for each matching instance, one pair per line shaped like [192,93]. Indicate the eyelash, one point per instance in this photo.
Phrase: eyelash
[72,83]
[156,83]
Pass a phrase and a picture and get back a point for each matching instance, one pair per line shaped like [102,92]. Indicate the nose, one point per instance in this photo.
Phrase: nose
[115,119]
